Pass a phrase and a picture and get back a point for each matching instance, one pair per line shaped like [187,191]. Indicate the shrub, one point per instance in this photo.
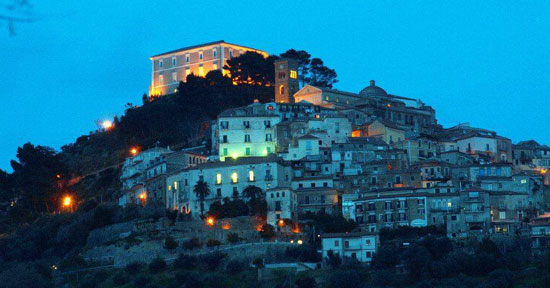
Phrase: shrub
[344,279]
[305,282]
[267,231]
[157,265]
[170,243]
[192,244]
[186,262]
[191,280]
[233,238]
[134,267]
[73,262]
[141,281]
[213,261]
[235,266]
[120,279]
[258,262]
[213,242]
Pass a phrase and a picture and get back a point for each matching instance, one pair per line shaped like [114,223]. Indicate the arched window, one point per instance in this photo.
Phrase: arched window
[282,90]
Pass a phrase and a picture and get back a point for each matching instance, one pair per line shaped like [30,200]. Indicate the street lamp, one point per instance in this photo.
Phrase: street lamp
[134,151]
[210,221]
[107,124]
[67,202]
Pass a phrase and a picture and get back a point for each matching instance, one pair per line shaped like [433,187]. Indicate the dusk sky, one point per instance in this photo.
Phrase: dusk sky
[483,62]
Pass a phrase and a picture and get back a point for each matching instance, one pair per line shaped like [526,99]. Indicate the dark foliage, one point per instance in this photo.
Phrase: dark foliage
[267,231]
[213,243]
[192,244]
[235,266]
[344,279]
[134,268]
[326,223]
[212,261]
[170,243]
[233,238]
[229,208]
[157,265]
[186,262]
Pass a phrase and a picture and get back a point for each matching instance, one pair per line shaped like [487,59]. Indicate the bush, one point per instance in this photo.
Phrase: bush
[186,262]
[213,242]
[267,231]
[142,281]
[120,279]
[73,262]
[192,244]
[235,266]
[134,267]
[305,282]
[157,265]
[233,238]
[170,243]
[213,261]
[189,279]
[344,279]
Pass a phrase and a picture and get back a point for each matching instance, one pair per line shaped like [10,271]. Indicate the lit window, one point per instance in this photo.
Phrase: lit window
[201,71]
[161,79]
[215,66]
[187,72]
[234,177]
[449,204]
[174,76]
[218,178]
[293,74]
[282,90]
[251,175]
[200,55]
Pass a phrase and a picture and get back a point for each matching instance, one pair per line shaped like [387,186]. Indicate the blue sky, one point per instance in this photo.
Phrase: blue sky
[483,62]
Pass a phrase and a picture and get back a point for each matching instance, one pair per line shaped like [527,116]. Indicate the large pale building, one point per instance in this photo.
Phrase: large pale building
[169,68]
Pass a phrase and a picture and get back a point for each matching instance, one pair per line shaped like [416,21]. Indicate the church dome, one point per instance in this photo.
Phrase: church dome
[373,91]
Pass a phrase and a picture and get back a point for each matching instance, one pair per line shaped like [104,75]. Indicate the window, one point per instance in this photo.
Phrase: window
[174,76]
[234,177]
[251,175]
[161,79]
[218,178]
[230,53]
[187,72]
[187,58]
[174,61]
[224,151]
[201,71]
[214,52]
[369,254]
[224,139]
[200,55]
[268,137]
[293,74]
[246,124]
[267,123]
[219,192]
[281,89]
[215,66]
[247,151]
[161,63]
[502,215]
[346,244]
[336,243]
[247,138]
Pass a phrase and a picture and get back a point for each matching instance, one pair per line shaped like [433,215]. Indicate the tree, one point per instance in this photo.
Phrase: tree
[6,186]
[267,231]
[303,58]
[251,68]
[37,175]
[253,193]
[311,71]
[202,190]
[321,75]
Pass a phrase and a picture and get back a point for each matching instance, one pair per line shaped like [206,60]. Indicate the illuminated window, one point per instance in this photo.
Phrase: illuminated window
[187,72]
[218,178]
[251,175]
[174,61]
[174,76]
[282,90]
[293,74]
[215,66]
[200,55]
[214,52]
[234,177]
[161,79]
[449,204]
[201,71]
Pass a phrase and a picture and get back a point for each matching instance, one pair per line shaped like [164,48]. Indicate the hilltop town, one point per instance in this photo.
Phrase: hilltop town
[312,181]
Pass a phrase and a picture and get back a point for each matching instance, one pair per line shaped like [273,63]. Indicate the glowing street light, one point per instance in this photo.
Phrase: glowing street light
[281,223]
[210,221]
[134,151]
[107,124]
[67,201]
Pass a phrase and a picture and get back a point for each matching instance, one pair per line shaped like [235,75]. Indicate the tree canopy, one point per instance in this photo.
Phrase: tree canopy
[311,70]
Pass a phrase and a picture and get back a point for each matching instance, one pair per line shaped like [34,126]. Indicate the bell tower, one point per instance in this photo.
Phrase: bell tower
[286,80]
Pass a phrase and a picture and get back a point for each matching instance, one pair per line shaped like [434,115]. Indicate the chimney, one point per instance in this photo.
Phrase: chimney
[371,83]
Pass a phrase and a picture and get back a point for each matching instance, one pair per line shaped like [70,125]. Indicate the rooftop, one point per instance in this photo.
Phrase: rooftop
[202,45]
